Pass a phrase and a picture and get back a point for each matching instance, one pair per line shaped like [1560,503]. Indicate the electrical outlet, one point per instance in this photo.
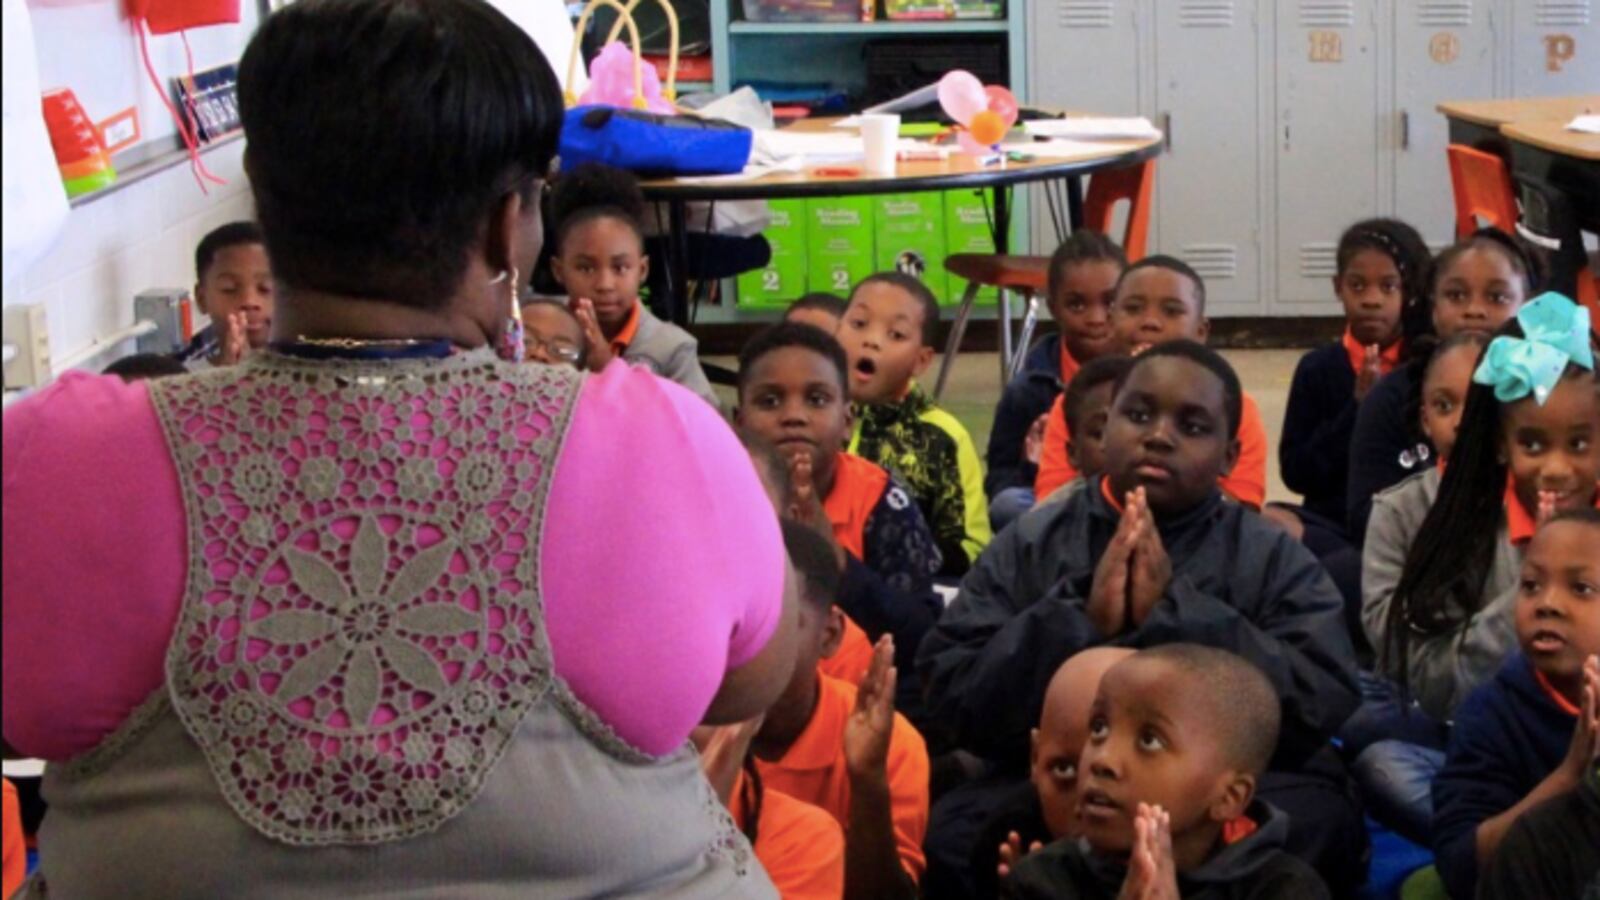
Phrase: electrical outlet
[25,329]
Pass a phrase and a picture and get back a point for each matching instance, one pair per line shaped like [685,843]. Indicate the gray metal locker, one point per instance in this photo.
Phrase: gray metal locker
[1085,55]
[1443,50]
[1555,47]
[1327,141]
[1210,98]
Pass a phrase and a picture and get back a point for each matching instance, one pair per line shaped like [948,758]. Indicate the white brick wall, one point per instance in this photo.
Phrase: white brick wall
[140,237]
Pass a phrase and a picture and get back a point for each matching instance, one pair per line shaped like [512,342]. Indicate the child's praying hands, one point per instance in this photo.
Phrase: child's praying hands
[1011,851]
[600,354]
[1108,597]
[1371,371]
[866,734]
[1151,872]
[1151,571]
[805,504]
[234,344]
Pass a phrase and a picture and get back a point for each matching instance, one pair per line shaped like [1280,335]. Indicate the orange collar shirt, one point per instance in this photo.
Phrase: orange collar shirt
[800,846]
[814,771]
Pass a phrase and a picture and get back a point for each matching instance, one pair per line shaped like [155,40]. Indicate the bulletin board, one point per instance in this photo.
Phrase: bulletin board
[91,47]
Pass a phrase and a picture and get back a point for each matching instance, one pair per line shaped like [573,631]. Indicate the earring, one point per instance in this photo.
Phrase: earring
[511,337]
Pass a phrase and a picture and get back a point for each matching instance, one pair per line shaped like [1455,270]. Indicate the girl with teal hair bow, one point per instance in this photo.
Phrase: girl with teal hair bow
[1528,445]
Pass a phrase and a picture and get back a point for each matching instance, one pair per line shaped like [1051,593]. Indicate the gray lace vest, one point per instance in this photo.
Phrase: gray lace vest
[359,696]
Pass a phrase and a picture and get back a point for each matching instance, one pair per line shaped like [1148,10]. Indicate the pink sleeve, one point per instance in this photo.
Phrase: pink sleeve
[94,547]
[661,557]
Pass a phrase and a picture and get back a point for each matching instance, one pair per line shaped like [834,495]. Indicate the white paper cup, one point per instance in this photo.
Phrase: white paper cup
[881,135]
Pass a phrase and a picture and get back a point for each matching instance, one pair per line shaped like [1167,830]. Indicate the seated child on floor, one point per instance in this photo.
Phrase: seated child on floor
[888,336]
[1082,286]
[1381,266]
[1086,406]
[1178,736]
[1533,732]
[1475,285]
[1528,444]
[143,366]
[1045,808]
[1553,849]
[844,749]
[599,258]
[234,287]
[793,393]
[1395,745]
[1161,299]
[1149,555]
[824,311]
[800,845]
[552,334]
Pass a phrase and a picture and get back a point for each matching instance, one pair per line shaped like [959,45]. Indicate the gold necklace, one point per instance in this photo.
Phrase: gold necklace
[358,343]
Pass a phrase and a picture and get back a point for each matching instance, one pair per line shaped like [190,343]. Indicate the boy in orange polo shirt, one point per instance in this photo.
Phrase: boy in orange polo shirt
[1162,299]
[847,751]
[15,868]
[793,393]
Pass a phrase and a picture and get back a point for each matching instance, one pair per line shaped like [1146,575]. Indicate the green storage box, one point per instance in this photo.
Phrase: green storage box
[784,279]
[910,237]
[839,233]
[966,230]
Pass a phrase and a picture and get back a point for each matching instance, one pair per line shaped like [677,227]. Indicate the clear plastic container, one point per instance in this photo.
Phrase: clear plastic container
[803,10]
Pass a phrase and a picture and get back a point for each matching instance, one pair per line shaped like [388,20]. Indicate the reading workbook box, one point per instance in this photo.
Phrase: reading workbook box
[910,237]
[839,233]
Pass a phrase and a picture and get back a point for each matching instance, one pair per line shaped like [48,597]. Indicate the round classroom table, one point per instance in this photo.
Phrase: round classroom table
[957,171]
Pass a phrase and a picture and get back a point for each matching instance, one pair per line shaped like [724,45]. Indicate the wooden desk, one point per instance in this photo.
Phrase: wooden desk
[1477,123]
[1553,137]
[957,171]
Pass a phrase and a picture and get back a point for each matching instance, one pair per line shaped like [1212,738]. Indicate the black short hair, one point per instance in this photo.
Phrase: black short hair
[553,303]
[1243,706]
[382,134]
[1523,261]
[1394,239]
[1205,357]
[1171,264]
[221,238]
[918,292]
[813,557]
[141,366]
[1102,370]
[829,303]
[1083,245]
[793,334]
[595,191]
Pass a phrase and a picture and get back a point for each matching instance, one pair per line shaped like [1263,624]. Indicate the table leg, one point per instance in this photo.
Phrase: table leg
[1074,203]
[958,329]
[1002,246]
[678,262]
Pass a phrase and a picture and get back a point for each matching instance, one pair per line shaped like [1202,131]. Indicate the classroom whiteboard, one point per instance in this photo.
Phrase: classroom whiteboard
[92,48]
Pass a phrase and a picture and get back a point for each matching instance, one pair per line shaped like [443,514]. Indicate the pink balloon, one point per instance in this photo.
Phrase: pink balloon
[970,146]
[1002,101]
[961,95]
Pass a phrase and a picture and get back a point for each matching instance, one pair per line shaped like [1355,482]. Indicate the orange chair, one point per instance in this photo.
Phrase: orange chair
[1030,275]
[1137,185]
[1481,183]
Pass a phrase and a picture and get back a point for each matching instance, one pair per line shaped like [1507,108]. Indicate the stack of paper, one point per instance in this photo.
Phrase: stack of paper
[1587,124]
[1094,129]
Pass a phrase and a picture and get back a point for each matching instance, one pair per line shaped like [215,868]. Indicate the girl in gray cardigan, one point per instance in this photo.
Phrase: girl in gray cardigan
[599,258]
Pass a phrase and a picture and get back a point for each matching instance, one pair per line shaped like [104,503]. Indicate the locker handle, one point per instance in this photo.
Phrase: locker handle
[1405,130]
[1166,130]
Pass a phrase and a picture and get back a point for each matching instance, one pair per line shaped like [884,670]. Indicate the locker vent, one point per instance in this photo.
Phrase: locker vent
[1086,13]
[1206,14]
[1319,260]
[1562,13]
[1444,13]
[1327,13]
[1212,260]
